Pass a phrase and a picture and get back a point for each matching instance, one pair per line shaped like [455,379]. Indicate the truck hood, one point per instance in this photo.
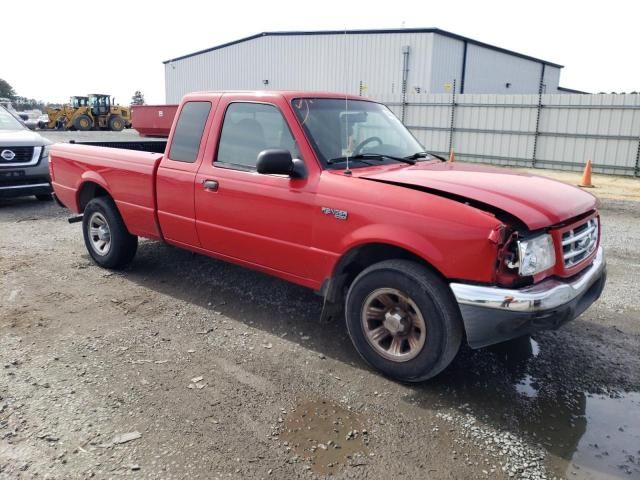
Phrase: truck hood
[21,138]
[536,201]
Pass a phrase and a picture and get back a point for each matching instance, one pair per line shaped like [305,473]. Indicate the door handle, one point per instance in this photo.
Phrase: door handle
[210,185]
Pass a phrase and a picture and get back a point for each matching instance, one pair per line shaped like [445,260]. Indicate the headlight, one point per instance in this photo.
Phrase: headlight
[45,151]
[536,255]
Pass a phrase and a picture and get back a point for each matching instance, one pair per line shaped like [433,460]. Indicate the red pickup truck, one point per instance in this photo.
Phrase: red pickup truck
[334,193]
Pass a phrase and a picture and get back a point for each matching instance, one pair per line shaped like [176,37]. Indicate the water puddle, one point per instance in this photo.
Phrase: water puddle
[535,348]
[527,387]
[326,435]
[610,445]
[530,392]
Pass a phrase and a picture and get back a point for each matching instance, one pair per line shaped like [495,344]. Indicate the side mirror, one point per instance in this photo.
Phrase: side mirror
[280,162]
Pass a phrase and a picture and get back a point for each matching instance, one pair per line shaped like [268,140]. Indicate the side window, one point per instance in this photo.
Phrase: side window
[188,134]
[248,129]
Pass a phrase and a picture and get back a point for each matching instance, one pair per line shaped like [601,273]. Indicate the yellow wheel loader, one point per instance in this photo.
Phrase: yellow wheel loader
[105,114]
[62,118]
[94,112]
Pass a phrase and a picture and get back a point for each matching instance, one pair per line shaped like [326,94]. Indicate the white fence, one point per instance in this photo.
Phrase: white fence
[559,131]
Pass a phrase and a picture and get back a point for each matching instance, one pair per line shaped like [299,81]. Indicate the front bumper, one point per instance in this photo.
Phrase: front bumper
[29,187]
[492,314]
[24,179]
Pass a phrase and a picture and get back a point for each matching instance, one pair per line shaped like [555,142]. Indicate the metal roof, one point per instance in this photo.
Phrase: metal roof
[364,32]
[571,90]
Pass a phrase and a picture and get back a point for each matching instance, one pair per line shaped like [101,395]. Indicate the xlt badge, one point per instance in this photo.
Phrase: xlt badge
[339,214]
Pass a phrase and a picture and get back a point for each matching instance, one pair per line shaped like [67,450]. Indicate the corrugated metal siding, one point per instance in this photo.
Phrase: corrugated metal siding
[319,62]
[501,129]
[603,128]
[447,64]
[431,124]
[488,71]
[507,122]
[551,79]
[340,62]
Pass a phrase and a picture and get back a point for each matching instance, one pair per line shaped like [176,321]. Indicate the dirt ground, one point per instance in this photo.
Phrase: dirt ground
[182,366]
[605,187]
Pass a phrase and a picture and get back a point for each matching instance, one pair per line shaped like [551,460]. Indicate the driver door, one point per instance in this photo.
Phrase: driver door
[260,220]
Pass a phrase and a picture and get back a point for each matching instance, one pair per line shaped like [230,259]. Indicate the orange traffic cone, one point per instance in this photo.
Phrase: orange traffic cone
[586,177]
[452,157]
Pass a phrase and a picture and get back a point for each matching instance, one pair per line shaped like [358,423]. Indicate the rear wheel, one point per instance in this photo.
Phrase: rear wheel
[116,123]
[403,320]
[105,235]
[82,122]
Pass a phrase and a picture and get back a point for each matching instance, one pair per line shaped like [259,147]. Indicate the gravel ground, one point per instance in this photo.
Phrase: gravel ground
[185,367]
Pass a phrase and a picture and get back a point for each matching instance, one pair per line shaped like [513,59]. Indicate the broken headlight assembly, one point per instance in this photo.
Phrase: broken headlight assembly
[533,255]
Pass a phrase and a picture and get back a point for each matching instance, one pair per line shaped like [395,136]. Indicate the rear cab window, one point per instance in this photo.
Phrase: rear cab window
[187,137]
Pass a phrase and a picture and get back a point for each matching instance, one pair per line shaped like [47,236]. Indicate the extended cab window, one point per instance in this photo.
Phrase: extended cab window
[188,134]
[250,128]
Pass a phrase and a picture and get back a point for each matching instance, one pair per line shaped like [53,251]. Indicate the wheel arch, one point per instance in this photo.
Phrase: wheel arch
[361,256]
[88,190]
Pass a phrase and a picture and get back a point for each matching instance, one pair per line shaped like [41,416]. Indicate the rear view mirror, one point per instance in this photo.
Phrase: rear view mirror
[280,162]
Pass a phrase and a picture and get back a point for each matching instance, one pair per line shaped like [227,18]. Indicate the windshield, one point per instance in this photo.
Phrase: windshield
[8,121]
[339,128]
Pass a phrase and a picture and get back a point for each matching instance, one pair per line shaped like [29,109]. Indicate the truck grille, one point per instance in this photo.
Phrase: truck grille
[580,242]
[21,155]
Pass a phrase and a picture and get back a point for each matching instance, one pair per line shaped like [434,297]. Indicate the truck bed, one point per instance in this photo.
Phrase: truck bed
[126,173]
[153,146]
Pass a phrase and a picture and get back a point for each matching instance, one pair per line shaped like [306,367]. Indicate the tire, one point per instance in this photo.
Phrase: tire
[116,123]
[118,245]
[82,122]
[427,297]
[44,197]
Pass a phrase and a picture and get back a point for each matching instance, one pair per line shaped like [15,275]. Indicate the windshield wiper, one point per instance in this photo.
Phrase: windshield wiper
[372,156]
[418,155]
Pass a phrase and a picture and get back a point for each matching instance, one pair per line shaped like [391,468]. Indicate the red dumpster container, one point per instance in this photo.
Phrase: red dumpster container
[153,120]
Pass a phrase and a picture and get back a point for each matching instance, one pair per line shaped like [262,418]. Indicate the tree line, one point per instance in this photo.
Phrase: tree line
[23,103]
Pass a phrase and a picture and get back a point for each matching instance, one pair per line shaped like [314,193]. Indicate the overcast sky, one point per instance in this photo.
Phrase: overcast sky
[51,50]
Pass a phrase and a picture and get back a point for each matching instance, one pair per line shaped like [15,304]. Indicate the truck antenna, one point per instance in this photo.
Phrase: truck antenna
[346,103]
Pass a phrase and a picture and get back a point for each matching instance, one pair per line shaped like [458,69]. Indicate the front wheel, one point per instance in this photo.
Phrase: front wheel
[403,320]
[82,122]
[116,123]
[105,235]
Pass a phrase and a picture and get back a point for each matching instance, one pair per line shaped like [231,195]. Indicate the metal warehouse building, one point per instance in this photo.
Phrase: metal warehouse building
[377,63]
